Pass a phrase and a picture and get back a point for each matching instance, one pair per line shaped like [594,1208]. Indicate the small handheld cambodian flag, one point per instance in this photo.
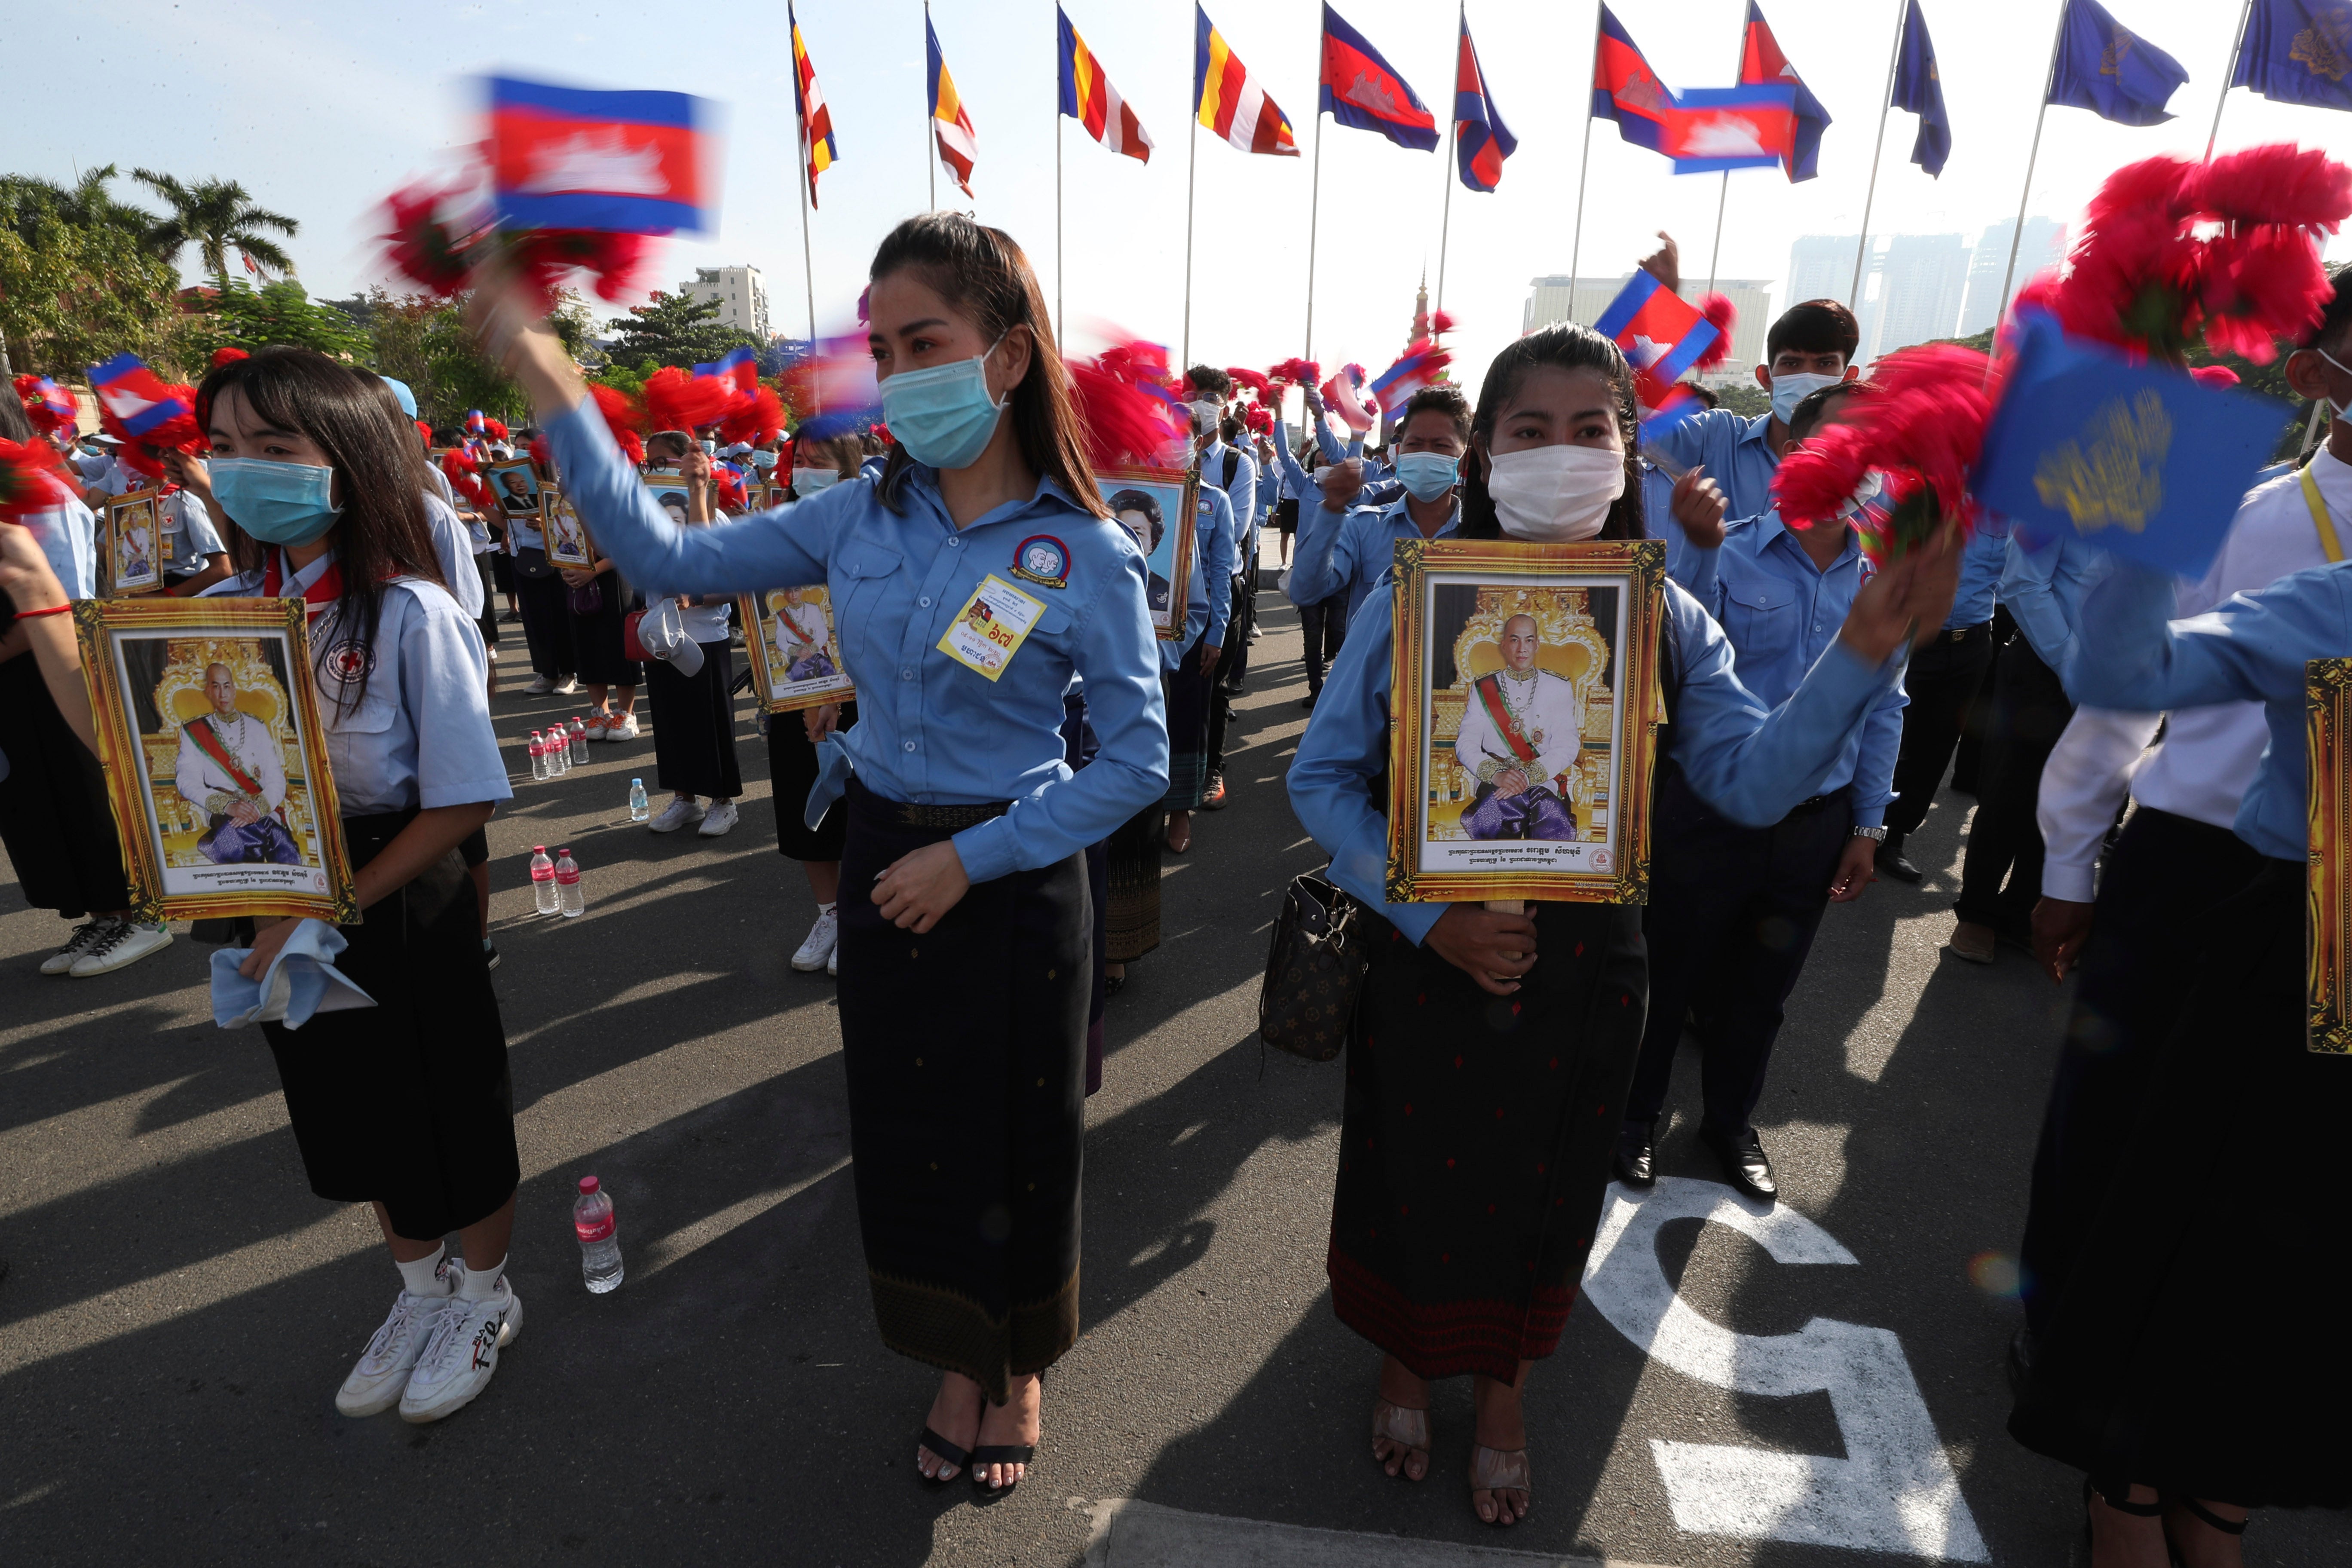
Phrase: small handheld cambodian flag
[626,162]
[134,395]
[1481,139]
[2140,460]
[739,367]
[1663,334]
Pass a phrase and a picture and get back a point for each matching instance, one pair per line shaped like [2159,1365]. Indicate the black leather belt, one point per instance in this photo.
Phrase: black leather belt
[949,818]
[1962,634]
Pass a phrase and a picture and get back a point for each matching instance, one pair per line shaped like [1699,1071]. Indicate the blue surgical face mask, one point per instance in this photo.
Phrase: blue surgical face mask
[1427,475]
[710,448]
[808,481]
[278,503]
[1792,389]
[943,415]
[763,461]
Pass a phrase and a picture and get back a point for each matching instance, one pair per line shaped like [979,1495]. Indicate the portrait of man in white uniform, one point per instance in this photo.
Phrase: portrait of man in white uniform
[1519,739]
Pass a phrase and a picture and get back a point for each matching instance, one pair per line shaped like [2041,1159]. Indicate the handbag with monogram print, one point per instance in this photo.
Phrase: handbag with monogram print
[1313,969]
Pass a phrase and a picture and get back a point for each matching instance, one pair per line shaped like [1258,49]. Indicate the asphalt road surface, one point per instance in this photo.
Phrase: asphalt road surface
[1818,1386]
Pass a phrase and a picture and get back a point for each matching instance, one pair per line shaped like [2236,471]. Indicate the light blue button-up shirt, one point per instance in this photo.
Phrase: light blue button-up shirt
[1692,568]
[1738,452]
[2133,655]
[1781,615]
[1750,761]
[930,729]
[1348,554]
[1981,565]
[69,537]
[1215,545]
[2044,589]
[1242,494]
[189,535]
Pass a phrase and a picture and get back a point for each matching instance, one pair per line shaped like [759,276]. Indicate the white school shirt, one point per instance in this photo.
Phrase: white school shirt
[455,551]
[2210,754]
[189,536]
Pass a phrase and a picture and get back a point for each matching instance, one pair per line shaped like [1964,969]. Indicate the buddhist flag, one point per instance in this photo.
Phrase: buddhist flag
[816,120]
[959,144]
[1227,99]
[1089,98]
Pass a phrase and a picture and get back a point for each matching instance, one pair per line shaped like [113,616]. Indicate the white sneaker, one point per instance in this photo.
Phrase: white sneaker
[88,931]
[540,687]
[461,1354]
[823,941]
[122,943]
[832,962]
[681,810]
[381,1377]
[623,728]
[565,687]
[718,819]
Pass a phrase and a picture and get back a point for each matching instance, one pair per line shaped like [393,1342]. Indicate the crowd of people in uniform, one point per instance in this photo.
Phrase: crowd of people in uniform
[984,832]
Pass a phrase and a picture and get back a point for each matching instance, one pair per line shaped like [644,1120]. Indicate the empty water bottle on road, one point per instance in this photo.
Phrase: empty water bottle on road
[537,755]
[600,1236]
[570,899]
[579,740]
[639,810]
[542,880]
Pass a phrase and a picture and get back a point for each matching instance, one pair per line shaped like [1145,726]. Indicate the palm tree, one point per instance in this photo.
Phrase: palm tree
[85,204]
[215,216]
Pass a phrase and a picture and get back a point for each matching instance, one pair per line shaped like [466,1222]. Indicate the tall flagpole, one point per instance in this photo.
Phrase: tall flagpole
[1452,121]
[1716,254]
[1192,161]
[1583,167]
[1878,149]
[930,131]
[2237,50]
[1314,213]
[808,267]
[1058,206]
[2048,74]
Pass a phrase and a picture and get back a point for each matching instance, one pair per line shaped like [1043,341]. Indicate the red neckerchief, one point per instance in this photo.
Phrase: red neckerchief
[318,596]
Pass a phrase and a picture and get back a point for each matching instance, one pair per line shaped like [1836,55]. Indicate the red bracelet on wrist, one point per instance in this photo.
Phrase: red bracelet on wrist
[52,610]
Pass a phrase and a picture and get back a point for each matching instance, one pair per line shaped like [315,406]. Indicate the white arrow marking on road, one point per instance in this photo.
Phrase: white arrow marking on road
[1893,1492]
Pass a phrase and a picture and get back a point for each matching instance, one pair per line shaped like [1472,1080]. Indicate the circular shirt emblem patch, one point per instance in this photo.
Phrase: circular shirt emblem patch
[348,660]
[1043,559]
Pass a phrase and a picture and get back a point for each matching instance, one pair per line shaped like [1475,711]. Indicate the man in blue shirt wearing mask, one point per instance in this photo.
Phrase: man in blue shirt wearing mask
[1809,347]
[1345,552]
[1226,467]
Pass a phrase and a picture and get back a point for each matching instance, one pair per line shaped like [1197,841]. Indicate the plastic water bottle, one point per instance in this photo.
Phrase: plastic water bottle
[600,1238]
[579,740]
[569,898]
[542,880]
[538,756]
[559,752]
[638,810]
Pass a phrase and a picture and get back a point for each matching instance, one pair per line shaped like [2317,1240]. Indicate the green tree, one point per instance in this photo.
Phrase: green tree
[425,343]
[216,215]
[72,294]
[279,313]
[671,329]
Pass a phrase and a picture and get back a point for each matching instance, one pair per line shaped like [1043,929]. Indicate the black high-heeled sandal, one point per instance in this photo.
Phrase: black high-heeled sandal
[940,1448]
[2204,1516]
[2137,1509]
[1000,1454]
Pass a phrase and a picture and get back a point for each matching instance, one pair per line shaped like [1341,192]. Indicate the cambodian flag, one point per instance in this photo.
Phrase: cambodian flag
[1481,139]
[477,422]
[1363,90]
[1663,334]
[737,367]
[1419,366]
[837,381]
[135,395]
[628,162]
[1701,129]
[1760,60]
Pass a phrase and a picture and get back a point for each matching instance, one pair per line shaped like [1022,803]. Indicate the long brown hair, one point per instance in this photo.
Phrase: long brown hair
[1569,346]
[384,531]
[979,271]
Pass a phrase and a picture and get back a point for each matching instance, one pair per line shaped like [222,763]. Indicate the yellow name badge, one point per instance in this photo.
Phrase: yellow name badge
[992,627]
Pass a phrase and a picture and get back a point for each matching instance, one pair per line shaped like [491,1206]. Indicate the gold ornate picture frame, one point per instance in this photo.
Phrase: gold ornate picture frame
[2327,931]
[130,554]
[224,687]
[515,488]
[1156,502]
[564,532]
[781,633]
[1524,707]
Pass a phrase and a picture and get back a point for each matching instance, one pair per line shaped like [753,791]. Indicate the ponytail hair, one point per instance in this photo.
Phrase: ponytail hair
[980,271]
[1569,345]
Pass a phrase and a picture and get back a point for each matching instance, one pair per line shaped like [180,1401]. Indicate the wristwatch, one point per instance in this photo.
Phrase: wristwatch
[1876,834]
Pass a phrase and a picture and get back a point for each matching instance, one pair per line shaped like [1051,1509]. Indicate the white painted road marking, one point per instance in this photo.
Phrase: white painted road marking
[1895,1491]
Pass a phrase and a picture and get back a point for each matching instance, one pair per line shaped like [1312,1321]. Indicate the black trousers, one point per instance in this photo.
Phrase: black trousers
[2030,712]
[1976,714]
[546,624]
[1323,625]
[1942,679]
[1233,664]
[1731,918]
[2147,927]
[488,622]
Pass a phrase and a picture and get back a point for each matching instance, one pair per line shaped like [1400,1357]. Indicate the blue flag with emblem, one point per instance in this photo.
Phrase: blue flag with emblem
[1920,90]
[2107,68]
[2135,458]
[2298,52]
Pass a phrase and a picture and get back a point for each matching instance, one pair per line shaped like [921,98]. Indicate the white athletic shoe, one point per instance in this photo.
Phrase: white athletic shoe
[623,727]
[540,687]
[381,1377]
[565,687]
[832,962]
[681,810]
[89,930]
[718,819]
[122,943]
[463,1351]
[823,941]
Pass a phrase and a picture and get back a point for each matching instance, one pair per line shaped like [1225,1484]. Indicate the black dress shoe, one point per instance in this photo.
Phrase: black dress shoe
[1894,863]
[1744,1164]
[1636,1164]
[1213,798]
[2020,1361]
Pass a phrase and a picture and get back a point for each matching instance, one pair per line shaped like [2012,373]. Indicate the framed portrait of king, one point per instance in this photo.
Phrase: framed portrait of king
[206,714]
[131,556]
[2327,883]
[1524,704]
[1156,506]
[795,650]
[566,536]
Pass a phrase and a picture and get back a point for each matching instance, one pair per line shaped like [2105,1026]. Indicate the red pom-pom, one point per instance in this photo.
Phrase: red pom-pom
[621,412]
[2214,376]
[495,429]
[2276,183]
[731,489]
[2157,187]
[1441,321]
[679,400]
[632,445]
[2258,286]
[421,246]
[425,432]
[882,434]
[543,457]
[1255,381]
[545,256]
[32,478]
[222,356]
[1921,425]
[465,476]
[753,417]
[1723,315]
[1261,420]
[1295,373]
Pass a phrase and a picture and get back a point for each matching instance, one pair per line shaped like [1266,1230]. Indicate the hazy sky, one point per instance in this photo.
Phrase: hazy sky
[322,109]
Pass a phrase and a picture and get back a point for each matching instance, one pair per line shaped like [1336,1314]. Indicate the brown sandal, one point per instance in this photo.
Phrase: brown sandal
[1408,1428]
[1499,1471]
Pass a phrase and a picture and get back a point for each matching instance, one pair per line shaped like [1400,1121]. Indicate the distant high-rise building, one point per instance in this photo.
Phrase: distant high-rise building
[1821,266]
[1560,299]
[1922,279]
[2044,242]
[740,295]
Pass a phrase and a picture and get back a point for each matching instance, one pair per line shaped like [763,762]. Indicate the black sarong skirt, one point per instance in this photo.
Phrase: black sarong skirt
[965,1049]
[408,1102]
[1476,1139]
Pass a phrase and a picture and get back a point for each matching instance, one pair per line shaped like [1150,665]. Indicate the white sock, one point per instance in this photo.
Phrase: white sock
[418,1279]
[824,910]
[481,1284]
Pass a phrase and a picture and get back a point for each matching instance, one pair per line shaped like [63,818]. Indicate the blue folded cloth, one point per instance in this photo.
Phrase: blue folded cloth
[302,980]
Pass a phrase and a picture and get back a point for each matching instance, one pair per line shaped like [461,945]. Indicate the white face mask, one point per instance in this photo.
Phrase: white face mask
[2341,411]
[1555,495]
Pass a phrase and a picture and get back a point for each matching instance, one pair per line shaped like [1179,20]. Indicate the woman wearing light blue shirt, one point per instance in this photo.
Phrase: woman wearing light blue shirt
[970,582]
[1490,1054]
